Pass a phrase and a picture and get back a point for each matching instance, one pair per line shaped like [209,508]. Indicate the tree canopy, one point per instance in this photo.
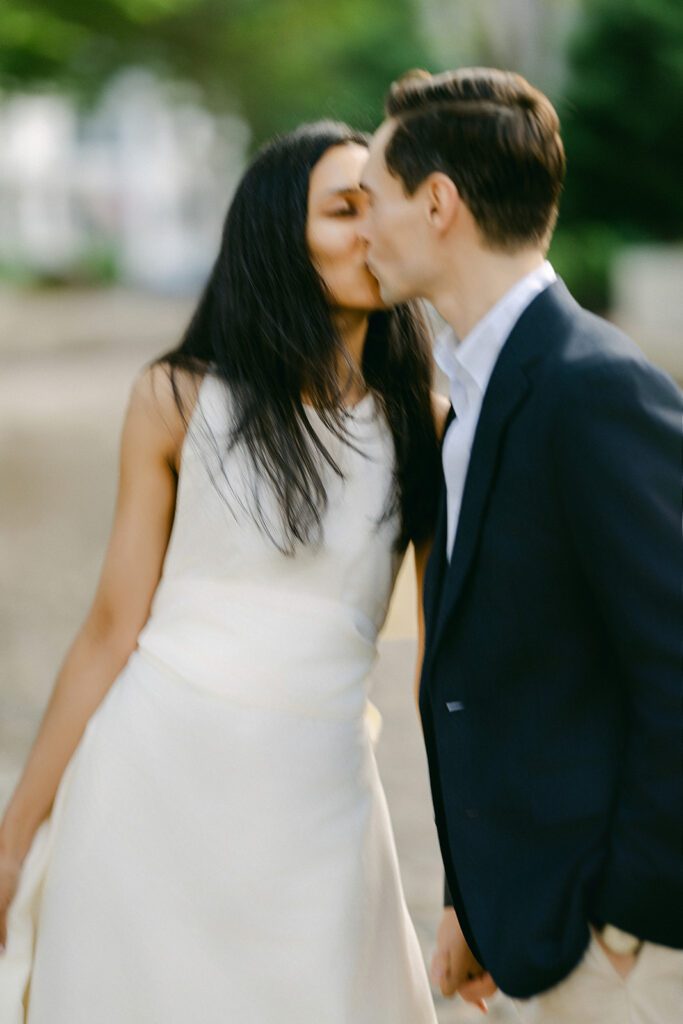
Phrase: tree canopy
[276,61]
[622,117]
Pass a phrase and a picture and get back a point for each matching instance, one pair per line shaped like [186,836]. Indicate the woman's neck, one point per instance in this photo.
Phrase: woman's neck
[353,329]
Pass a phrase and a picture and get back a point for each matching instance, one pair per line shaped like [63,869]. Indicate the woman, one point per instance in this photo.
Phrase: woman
[219,846]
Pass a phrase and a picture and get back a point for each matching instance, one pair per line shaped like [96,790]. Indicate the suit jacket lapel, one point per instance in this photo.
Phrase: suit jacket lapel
[436,563]
[504,395]
[507,389]
[436,566]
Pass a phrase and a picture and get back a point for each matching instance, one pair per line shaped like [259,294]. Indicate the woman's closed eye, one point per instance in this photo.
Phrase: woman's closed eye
[353,204]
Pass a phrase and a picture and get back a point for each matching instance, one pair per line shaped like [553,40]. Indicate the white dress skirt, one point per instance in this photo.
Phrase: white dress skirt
[219,849]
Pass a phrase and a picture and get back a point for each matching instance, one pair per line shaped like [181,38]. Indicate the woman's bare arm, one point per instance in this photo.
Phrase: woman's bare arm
[151,440]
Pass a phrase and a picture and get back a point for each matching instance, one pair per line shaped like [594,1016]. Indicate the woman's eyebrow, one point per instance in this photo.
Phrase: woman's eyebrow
[346,190]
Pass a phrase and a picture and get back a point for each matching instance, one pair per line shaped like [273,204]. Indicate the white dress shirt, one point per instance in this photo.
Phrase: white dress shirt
[468,364]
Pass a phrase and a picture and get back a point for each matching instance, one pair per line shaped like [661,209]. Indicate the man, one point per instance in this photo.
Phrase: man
[552,692]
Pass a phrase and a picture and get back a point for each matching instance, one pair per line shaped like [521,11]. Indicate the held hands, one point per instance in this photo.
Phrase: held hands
[454,968]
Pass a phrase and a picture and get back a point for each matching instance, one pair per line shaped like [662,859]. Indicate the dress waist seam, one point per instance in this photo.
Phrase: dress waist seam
[296,708]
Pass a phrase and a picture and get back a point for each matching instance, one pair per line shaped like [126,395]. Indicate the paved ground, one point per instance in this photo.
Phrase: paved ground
[63,386]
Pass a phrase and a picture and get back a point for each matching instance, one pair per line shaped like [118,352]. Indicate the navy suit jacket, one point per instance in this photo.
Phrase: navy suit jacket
[552,686]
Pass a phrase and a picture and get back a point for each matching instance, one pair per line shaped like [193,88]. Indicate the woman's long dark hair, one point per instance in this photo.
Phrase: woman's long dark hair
[264,325]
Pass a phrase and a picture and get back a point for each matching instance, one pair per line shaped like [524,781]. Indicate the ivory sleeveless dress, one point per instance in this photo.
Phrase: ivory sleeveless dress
[220,848]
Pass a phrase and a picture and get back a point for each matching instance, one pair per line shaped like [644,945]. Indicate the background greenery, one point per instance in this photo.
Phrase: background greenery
[623,129]
[277,62]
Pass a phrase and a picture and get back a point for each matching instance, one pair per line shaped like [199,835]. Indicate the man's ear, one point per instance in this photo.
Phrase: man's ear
[442,200]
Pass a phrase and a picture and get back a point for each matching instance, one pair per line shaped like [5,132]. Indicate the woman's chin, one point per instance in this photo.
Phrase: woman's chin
[366,297]
[375,301]
[370,301]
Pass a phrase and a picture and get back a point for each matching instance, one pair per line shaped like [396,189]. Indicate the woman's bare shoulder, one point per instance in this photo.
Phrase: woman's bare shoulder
[162,401]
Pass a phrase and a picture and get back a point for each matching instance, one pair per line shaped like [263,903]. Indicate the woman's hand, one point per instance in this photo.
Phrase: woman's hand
[10,868]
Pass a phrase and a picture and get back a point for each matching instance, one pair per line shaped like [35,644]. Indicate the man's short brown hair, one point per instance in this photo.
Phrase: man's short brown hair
[494,135]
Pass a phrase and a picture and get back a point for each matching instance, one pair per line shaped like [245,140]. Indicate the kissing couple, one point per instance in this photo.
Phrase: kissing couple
[200,831]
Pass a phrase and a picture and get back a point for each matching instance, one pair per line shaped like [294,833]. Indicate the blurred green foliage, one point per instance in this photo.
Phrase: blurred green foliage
[583,253]
[97,265]
[277,62]
[622,118]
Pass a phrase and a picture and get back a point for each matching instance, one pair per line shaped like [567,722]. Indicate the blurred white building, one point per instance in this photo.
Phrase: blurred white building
[143,181]
[528,36]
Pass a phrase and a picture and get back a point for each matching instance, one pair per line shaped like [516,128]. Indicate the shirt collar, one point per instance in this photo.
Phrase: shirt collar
[478,351]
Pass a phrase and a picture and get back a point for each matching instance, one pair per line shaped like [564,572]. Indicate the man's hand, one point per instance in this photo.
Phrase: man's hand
[455,969]
[623,963]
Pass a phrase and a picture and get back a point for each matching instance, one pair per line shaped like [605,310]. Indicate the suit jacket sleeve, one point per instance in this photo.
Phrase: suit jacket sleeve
[619,457]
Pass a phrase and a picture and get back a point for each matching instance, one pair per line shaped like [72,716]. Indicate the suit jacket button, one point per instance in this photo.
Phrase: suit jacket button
[471,812]
[455,705]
